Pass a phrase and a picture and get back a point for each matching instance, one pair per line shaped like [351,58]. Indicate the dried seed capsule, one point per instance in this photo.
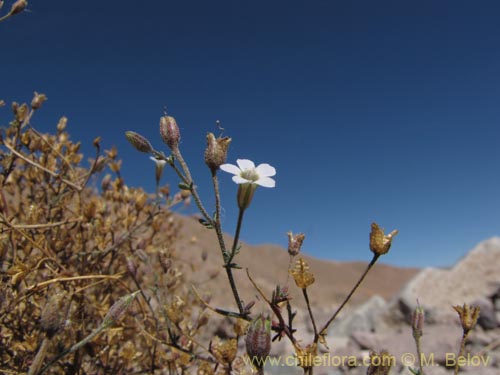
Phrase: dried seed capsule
[216,151]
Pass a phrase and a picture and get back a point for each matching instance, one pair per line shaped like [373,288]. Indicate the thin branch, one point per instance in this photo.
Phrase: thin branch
[35,164]
[368,268]
[276,311]
[46,225]
[85,277]
[313,321]
[231,314]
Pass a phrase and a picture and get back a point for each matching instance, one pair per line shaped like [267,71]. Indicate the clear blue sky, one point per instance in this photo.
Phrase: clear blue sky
[382,111]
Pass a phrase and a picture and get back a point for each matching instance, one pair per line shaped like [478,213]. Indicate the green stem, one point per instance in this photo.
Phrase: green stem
[236,235]
[222,244]
[229,259]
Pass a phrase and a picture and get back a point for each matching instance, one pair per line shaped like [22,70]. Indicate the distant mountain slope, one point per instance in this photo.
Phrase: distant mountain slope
[268,265]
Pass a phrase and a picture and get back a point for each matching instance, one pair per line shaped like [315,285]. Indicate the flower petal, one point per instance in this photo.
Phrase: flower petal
[240,180]
[230,168]
[265,170]
[245,164]
[266,182]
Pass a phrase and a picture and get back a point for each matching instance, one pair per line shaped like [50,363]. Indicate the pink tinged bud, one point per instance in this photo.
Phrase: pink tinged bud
[417,322]
[295,243]
[18,7]
[118,309]
[131,266]
[53,315]
[139,142]
[216,151]
[169,132]
[258,341]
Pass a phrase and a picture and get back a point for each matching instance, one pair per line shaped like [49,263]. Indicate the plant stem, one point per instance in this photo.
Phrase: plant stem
[217,224]
[189,180]
[218,229]
[75,347]
[461,352]
[229,259]
[306,297]
[419,356]
[35,164]
[236,235]
[368,268]
[40,356]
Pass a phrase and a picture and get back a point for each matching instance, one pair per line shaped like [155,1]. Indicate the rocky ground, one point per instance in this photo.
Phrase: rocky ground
[381,324]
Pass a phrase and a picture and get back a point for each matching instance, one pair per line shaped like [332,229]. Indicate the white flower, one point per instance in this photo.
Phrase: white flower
[159,163]
[246,172]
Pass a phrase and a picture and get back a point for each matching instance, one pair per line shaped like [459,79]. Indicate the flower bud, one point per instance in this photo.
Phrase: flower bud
[131,266]
[52,318]
[216,151]
[18,7]
[245,195]
[295,243]
[417,322]
[258,341]
[118,309]
[139,142]
[159,166]
[169,132]
[38,100]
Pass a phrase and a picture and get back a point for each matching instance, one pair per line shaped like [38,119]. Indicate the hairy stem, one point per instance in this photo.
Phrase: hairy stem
[222,244]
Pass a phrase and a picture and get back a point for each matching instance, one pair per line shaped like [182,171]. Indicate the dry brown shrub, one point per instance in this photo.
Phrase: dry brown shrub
[68,251]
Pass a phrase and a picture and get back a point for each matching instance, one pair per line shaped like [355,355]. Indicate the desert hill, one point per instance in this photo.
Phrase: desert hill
[268,265]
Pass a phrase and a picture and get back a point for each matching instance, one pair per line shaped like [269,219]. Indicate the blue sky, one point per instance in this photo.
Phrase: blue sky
[382,111]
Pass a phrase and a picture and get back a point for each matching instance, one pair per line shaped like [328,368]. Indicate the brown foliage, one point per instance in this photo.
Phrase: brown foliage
[69,251]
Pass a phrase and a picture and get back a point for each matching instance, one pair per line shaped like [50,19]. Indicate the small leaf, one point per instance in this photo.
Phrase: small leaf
[184,186]
[205,223]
